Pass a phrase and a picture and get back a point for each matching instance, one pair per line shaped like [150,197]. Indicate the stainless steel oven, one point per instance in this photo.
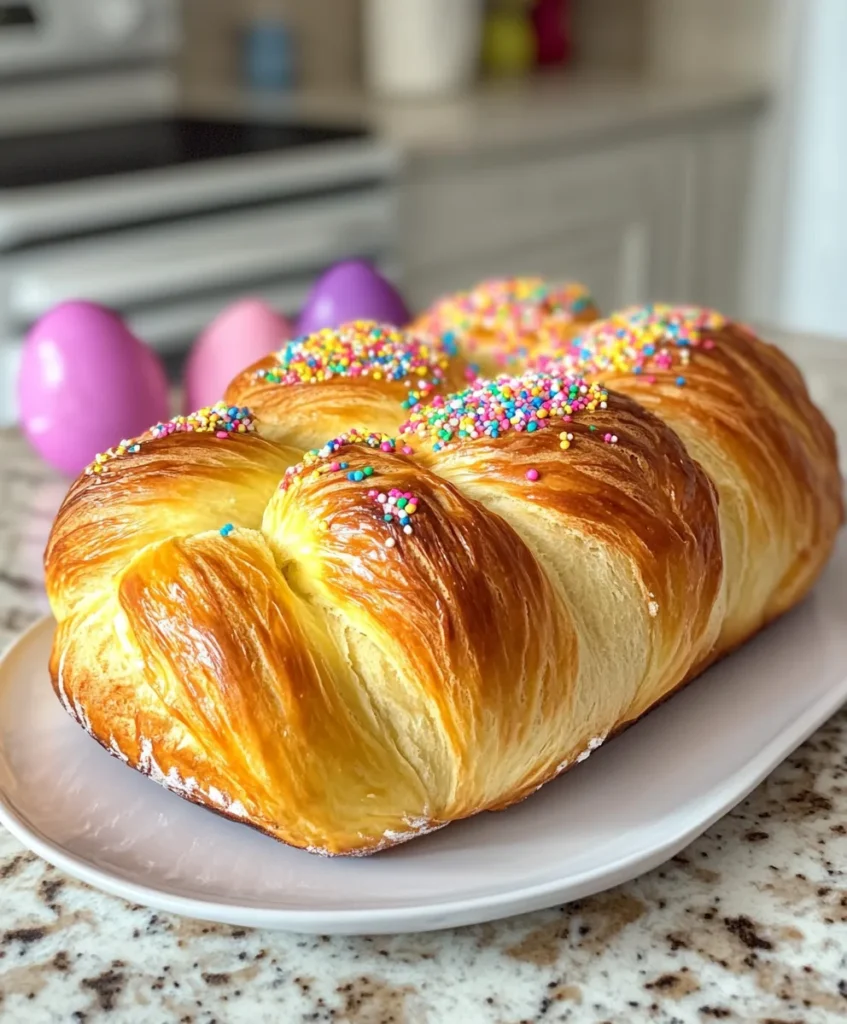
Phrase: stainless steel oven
[110,191]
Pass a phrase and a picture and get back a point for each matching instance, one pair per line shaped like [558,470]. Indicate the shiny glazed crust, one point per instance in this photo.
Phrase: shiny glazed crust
[343,684]
[293,648]
[744,413]
[362,375]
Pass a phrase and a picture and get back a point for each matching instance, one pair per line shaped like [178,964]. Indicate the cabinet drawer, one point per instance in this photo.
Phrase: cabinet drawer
[612,260]
[471,209]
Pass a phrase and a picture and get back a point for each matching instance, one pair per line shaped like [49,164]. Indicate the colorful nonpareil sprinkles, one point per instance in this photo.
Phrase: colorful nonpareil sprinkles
[320,460]
[226,530]
[509,313]
[221,419]
[491,408]
[397,507]
[95,468]
[364,349]
[644,340]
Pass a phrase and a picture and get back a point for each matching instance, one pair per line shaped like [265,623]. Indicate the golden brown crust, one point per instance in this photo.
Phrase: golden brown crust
[744,412]
[380,645]
[391,635]
[150,496]
[641,498]
[362,375]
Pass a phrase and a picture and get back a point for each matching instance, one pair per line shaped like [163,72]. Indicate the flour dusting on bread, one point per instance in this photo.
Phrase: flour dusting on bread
[174,782]
[592,746]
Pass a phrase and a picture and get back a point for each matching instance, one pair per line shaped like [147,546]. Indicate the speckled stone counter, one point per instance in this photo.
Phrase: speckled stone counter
[748,924]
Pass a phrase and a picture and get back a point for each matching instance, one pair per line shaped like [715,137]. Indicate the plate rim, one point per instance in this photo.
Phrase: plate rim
[432,915]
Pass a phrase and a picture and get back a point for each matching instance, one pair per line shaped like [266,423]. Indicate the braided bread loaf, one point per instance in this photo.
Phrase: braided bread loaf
[351,648]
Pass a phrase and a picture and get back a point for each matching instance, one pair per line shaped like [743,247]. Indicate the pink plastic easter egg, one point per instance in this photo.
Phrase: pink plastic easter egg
[86,383]
[242,334]
[352,290]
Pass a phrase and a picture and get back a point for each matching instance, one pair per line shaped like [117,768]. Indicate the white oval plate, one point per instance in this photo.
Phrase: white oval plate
[632,805]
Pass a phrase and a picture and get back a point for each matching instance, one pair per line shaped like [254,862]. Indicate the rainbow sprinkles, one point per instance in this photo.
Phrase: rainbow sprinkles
[221,419]
[528,403]
[396,506]
[513,311]
[656,337]
[363,349]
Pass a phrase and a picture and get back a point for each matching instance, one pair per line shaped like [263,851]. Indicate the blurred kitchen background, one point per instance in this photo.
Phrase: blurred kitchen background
[166,158]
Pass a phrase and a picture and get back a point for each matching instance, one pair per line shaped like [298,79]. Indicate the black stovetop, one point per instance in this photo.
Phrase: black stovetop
[78,154]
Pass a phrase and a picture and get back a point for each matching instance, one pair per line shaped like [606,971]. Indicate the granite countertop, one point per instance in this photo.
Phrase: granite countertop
[749,923]
[509,115]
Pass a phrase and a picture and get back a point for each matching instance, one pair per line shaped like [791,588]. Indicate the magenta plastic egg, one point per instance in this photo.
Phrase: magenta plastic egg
[86,382]
[352,290]
[242,334]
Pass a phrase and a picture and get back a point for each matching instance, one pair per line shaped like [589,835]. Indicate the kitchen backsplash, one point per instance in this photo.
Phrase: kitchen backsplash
[609,34]
[673,38]
[327,32]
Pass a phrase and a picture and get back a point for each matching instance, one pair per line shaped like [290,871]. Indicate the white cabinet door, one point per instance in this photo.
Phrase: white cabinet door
[660,218]
[615,218]
[611,260]
[721,166]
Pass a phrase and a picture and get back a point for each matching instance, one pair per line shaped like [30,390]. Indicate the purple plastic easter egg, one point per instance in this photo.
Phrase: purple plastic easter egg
[352,290]
[86,383]
[244,333]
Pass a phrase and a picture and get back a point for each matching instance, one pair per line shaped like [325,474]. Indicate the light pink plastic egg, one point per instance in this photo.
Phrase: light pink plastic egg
[244,333]
[86,383]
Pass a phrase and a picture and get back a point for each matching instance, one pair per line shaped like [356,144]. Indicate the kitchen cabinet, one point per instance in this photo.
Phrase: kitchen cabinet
[637,186]
[658,216]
